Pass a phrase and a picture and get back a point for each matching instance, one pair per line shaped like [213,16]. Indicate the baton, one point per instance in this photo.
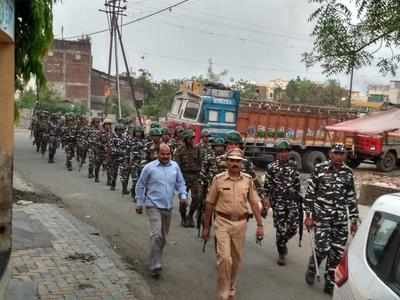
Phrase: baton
[314,253]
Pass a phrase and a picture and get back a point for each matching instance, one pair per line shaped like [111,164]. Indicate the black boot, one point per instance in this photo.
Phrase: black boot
[112,188]
[69,166]
[189,223]
[125,188]
[310,274]
[328,288]
[90,174]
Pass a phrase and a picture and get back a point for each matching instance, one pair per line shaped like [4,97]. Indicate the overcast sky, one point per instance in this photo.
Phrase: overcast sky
[256,40]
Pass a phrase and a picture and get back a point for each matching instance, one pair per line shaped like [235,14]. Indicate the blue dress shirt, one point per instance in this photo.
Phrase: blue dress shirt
[157,185]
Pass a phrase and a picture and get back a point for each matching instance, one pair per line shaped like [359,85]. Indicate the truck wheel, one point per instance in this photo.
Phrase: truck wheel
[353,163]
[295,156]
[311,159]
[387,162]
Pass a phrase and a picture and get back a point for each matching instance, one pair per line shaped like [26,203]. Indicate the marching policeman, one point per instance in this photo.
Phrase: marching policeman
[282,187]
[330,193]
[229,196]
[188,157]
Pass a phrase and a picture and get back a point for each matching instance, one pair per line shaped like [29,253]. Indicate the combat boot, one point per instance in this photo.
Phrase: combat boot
[125,189]
[112,188]
[90,174]
[310,274]
[108,180]
[328,288]
[189,223]
[281,260]
[69,166]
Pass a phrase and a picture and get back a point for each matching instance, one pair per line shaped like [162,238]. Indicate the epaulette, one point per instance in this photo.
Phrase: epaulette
[246,175]
[221,174]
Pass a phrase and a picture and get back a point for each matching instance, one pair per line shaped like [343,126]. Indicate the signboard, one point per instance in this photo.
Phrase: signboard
[7,17]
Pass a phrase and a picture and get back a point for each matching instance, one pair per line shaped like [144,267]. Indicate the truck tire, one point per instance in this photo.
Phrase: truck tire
[353,163]
[387,162]
[311,159]
[295,156]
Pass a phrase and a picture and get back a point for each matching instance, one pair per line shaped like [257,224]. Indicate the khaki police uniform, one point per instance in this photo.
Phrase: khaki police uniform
[230,198]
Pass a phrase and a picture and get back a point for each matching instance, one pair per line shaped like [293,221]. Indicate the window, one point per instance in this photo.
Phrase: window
[383,248]
[229,117]
[175,106]
[191,110]
[213,116]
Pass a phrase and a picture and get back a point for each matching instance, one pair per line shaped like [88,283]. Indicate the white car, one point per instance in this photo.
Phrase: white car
[370,268]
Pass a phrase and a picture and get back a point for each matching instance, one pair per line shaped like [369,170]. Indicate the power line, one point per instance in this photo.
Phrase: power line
[218,20]
[169,8]
[144,53]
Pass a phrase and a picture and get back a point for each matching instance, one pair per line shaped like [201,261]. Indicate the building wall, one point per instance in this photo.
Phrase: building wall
[67,67]
[99,84]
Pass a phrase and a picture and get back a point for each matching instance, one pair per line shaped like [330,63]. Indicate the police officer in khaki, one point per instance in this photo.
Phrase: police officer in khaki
[229,196]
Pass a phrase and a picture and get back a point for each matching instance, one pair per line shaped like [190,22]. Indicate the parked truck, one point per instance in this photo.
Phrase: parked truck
[376,139]
[261,124]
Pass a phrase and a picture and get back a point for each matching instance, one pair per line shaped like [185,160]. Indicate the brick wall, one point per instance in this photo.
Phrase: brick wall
[68,67]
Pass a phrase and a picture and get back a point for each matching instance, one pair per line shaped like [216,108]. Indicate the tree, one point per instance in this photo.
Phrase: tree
[33,37]
[345,40]
[303,91]
[247,89]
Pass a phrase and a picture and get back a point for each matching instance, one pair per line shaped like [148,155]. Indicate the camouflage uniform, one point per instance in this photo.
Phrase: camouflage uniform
[82,143]
[102,153]
[189,159]
[92,133]
[126,164]
[54,132]
[118,145]
[329,194]
[151,148]
[43,133]
[69,140]
[282,186]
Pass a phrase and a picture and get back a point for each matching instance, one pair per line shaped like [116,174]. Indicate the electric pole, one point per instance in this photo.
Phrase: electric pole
[115,10]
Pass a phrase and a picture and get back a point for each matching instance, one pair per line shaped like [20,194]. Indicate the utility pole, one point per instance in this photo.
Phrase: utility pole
[115,10]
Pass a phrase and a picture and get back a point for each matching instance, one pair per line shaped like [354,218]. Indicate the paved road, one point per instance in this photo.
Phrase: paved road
[188,273]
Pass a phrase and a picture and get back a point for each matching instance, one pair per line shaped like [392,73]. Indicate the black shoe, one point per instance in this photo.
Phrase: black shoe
[112,188]
[51,161]
[328,289]
[189,222]
[125,189]
[90,175]
[156,273]
[96,179]
[281,260]
[310,277]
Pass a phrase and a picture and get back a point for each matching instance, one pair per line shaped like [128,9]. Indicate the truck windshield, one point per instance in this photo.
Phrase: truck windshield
[175,106]
[191,110]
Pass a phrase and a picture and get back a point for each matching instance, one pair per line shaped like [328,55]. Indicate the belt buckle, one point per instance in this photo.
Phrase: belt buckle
[235,217]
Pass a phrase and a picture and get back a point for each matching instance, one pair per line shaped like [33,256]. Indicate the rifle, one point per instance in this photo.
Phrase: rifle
[300,200]
[201,210]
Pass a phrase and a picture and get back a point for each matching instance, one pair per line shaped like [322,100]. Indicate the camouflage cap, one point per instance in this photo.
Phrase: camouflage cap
[233,137]
[155,132]
[235,153]
[338,148]
[119,127]
[188,134]
[155,125]
[282,145]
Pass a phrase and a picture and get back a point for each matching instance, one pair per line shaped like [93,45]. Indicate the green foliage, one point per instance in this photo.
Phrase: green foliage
[303,91]
[345,40]
[33,37]
[49,100]
[247,89]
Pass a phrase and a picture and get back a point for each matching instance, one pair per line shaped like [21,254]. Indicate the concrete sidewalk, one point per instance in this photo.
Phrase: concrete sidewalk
[56,256]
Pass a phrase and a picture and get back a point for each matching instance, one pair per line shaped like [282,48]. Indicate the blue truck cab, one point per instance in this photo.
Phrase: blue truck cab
[214,107]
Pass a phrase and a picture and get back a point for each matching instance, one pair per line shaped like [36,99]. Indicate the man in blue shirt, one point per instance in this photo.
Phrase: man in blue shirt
[155,190]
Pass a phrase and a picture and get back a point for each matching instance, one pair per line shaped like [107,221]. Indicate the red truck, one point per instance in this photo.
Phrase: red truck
[262,124]
[376,139]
